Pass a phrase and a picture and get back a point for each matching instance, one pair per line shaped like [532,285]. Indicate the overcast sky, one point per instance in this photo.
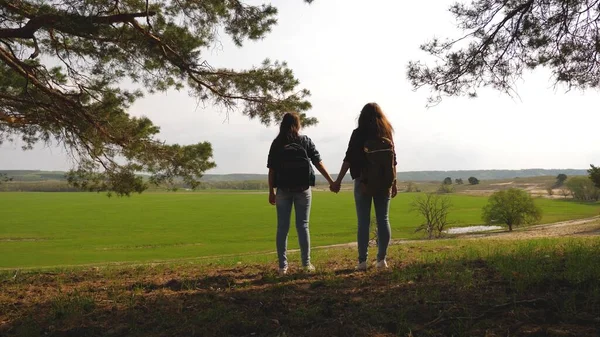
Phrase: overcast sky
[350,52]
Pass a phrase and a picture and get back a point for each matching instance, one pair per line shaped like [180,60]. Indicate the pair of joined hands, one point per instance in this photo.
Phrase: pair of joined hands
[336,186]
[333,187]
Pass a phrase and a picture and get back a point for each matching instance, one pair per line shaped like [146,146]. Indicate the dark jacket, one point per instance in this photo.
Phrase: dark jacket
[311,150]
[355,154]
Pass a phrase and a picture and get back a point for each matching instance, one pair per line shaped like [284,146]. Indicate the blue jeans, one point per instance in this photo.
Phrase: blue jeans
[301,202]
[363,213]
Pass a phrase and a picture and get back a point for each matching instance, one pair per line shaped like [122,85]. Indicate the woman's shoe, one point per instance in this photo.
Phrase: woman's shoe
[362,266]
[381,264]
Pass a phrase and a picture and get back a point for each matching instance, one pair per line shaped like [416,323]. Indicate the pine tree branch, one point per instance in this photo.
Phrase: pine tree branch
[54,21]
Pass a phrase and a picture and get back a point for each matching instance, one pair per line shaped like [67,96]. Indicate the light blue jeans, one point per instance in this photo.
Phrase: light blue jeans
[363,213]
[301,201]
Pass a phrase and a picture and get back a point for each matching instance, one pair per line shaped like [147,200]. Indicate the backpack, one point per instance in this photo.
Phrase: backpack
[378,174]
[294,167]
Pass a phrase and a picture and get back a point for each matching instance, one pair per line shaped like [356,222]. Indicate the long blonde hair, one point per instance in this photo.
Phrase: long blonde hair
[373,122]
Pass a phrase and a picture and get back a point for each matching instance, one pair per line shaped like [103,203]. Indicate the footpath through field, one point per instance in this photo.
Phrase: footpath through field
[573,228]
[579,227]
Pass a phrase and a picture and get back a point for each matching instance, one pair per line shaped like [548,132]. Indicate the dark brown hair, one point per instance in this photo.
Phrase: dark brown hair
[289,129]
[373,123]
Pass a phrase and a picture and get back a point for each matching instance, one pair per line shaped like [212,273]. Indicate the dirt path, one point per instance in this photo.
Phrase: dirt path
[579,227]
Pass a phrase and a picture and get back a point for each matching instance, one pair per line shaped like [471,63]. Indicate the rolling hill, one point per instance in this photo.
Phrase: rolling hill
[35,175]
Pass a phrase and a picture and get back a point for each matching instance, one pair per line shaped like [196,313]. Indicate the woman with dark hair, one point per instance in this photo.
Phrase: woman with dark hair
[290,172]
[371,159]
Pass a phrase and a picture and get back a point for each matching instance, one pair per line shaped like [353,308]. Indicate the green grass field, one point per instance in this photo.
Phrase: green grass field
[57,229]
[492,288]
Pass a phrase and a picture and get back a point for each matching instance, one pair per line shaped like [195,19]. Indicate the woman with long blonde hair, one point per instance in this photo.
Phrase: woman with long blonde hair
[373,126]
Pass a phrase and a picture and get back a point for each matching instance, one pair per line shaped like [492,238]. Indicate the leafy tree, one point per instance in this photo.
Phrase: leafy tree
[594,174]
[502,39]
[434,209]
[458,181]
[473,181]
[4,178]
[447,181]
[69,70]
[560,179]
[583,189]
[512,207]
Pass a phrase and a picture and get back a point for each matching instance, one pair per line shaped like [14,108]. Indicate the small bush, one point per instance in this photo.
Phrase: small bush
[434,209]
[412,187]
[444,189]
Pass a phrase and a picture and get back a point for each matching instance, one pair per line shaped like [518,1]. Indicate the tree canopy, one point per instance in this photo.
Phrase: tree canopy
[594,175]
[512,207]
[473,181]
[582,188]
[69,71]
[4,178]
[502,39]
[561,178]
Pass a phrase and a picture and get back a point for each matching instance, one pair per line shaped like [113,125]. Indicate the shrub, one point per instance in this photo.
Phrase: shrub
[434,209]
[412,187]
[444,188]
[583,189]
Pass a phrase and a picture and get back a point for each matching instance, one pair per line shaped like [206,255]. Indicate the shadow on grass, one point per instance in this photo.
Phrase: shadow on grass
[527,290]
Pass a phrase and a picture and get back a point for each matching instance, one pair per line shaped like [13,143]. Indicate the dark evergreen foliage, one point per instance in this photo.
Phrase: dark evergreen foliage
[63,64]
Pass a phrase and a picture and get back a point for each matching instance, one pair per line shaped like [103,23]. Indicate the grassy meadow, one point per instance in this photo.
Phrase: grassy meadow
[491,288]
[58,229]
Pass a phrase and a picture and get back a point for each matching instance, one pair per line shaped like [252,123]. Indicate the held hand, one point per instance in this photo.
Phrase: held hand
[332,188]
[272,198]
[335,187]
[394,190]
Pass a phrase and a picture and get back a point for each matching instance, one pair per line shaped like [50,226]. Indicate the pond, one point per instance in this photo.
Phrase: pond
[471,229]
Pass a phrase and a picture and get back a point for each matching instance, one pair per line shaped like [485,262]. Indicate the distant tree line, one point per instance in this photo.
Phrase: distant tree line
[63,186]
[250,185]
[459,181]
[37,186]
